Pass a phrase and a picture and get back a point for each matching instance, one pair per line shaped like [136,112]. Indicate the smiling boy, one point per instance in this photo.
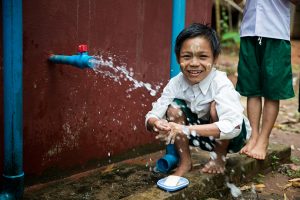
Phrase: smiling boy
[200,104]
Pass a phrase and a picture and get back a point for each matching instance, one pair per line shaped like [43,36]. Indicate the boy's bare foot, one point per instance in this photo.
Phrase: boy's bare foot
[259,152]
[182,169]
[216,166]
[249,146]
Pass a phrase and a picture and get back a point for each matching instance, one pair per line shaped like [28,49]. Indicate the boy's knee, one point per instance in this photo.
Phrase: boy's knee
[175,114]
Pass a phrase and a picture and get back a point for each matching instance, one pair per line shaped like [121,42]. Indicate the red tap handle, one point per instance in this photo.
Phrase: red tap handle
[82,48]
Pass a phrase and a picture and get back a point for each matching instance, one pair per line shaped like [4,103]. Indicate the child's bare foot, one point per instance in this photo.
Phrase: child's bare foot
[182,169]
[249,146]
[259,152]
[216,166]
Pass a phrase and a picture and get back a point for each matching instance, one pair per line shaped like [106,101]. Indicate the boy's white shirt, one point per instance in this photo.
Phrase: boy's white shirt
[215,87]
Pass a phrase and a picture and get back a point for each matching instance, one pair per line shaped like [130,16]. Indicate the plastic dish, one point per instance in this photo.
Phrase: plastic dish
[182,183]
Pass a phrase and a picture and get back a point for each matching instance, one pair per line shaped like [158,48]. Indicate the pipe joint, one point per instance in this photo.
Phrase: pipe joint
[13,187]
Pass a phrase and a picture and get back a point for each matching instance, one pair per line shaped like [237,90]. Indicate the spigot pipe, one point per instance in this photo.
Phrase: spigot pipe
[80,60]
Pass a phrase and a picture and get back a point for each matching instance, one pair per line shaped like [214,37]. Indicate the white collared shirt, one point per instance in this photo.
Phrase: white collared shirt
[215,87]
[266,18]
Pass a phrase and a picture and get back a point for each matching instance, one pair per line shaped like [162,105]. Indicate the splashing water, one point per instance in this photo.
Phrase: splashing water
[235,191]
[213,155]
[117,73]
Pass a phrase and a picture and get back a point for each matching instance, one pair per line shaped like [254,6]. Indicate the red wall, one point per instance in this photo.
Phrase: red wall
[72,116]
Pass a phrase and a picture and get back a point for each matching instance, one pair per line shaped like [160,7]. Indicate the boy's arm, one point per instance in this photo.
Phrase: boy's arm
[160,107]
[205,130]
[229,108]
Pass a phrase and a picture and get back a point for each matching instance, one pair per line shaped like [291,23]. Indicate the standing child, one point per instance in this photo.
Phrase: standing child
[199,106]
[264,69]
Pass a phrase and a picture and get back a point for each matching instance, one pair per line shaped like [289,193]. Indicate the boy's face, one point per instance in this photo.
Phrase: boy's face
[196,59]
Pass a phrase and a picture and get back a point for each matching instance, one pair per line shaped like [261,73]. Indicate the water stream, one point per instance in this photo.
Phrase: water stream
[117,73]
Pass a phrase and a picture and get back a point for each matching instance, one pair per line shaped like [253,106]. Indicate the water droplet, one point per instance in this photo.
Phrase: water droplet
[235,191]
[153,93]
[134,127]
[196,143]
[193,133]
[213,155]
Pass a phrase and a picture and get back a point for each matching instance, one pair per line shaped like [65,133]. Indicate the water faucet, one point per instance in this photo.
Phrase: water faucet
[81,59]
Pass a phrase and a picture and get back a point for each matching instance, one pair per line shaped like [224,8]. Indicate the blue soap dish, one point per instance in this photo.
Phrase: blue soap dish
[182,183]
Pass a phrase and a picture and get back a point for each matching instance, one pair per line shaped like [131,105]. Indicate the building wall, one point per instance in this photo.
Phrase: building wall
[75,117]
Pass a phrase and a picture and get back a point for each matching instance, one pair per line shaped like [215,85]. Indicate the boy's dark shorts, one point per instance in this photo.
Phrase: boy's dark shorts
[208,143]
[264,68]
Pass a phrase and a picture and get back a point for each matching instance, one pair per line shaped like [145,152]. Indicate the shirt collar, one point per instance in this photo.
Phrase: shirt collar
[203,85]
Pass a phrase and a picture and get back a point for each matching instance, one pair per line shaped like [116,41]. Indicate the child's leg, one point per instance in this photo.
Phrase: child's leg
[183,150]
[216,165]
[254,108]
[270,112]
[213,112]
[181,142]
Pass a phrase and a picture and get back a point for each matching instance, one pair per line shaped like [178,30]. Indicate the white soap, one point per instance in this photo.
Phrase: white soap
[172,180]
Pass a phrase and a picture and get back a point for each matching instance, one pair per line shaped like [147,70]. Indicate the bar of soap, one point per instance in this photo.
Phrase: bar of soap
[172,181]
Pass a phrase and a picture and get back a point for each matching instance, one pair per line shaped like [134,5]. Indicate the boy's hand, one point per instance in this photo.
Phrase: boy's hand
[176,128]
[172,134]
[161,126]
[163,129]
[167,131]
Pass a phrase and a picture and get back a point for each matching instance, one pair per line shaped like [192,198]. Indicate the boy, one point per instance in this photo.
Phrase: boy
[264,69]
[200,104]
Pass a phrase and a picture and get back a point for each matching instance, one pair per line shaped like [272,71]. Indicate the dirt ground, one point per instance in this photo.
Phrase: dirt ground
[276,185]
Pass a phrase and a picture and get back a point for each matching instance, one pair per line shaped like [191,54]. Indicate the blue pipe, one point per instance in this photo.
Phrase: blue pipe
[80,60]
[171,159]
[13,175]
[178,21]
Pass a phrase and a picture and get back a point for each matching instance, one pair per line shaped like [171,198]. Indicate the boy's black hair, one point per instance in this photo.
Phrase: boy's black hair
[202,30]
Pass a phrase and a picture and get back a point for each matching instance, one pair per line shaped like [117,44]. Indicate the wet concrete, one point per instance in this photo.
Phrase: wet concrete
[135,179]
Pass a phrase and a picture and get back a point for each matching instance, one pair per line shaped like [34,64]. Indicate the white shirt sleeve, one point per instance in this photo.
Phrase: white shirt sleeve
[229,110]
[160,107]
